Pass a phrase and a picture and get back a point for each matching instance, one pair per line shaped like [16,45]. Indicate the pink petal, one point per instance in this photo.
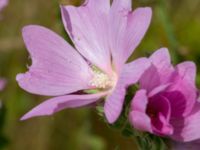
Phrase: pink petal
[87,26]
[56,104]
[139,101]
[131,73]
[187,70]
[150,79]
[3,3]
[187,129]
[114,102]
[160,104]
[182,94]
[126,30]
[140,121]
[159,89]
[56,68]
[161,126]
[161,60]
[138,116]
[160,107]
[117,26]
[118,5]
[138,23]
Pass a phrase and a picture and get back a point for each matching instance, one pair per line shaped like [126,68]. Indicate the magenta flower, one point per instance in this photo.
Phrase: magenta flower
[104,38]
[166,104]
[3,3]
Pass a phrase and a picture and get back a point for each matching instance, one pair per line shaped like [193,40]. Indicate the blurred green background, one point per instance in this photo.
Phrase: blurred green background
[175,24]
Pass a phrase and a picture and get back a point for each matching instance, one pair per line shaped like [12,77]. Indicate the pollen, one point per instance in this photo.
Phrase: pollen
[100,79]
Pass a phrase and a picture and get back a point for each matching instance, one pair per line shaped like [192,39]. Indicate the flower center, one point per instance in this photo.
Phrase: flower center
[100,79]
[151,113]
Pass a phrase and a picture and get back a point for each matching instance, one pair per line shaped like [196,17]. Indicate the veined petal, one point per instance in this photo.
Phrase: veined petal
[126,31]
[114,102]
[117,26]
[56,104]
[87,26]
[161,60]
[187,128]
[138,23]
[56,68]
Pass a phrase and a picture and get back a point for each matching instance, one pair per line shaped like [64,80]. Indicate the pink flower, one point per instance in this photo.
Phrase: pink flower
[104,38]
[3,3]
[166,104]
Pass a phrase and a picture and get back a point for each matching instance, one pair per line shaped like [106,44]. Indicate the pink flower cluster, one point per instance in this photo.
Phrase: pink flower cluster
[104,37]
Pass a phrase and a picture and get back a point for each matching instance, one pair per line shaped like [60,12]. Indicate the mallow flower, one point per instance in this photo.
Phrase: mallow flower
[166,102]
[104,37]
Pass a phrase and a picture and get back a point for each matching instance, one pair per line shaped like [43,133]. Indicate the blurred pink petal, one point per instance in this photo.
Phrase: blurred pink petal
[3,3]
[2,83]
